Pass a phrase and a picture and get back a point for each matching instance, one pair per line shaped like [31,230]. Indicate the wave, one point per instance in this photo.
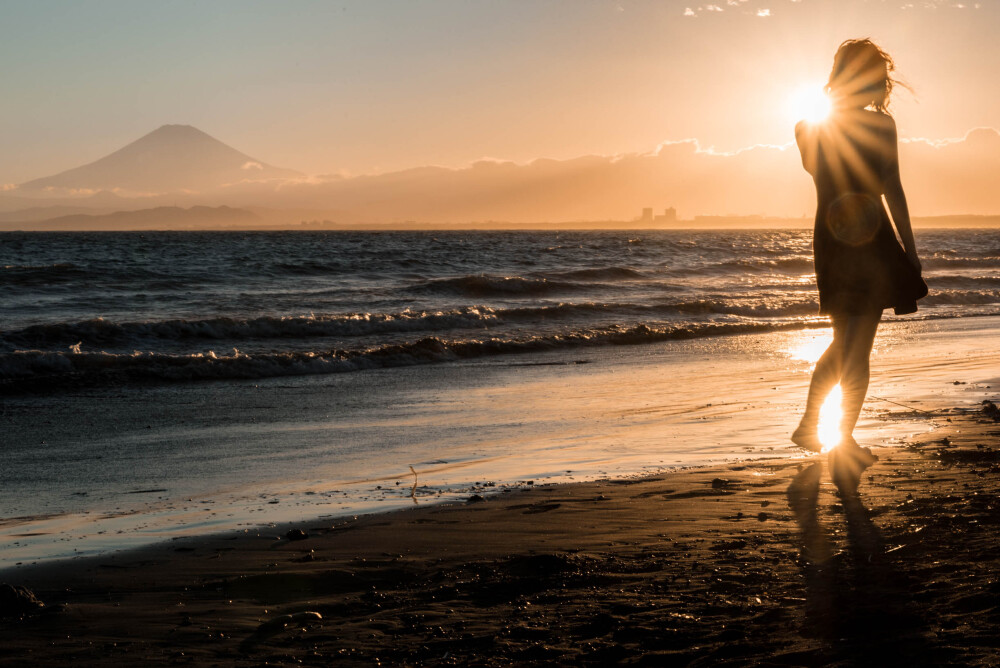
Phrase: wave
[597,273]
[714,306]
[99,331]
[37,267]
[30,369]
[102,332]
[796,264]
[961,297]
[29,274]
[112,277]
[485,285]
[938,262]
[959,281]
[802,307]
[307,268]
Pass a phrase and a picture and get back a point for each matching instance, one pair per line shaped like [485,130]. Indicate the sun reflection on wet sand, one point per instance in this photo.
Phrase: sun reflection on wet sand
[810,346]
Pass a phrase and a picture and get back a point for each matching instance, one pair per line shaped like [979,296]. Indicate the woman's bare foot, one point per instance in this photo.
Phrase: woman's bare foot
[807,438]
[862,455]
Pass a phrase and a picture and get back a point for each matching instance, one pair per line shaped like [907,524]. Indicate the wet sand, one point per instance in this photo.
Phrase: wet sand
[760,563]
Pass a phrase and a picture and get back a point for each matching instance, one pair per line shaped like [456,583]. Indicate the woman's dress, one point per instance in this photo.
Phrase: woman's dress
[860,266]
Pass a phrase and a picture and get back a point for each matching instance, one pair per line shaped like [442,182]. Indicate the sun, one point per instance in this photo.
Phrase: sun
[808,102]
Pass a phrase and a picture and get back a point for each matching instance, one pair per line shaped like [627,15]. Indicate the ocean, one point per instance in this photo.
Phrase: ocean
[161,385]
[186,306]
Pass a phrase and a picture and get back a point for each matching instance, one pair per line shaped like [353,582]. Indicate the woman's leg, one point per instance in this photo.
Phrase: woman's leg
[825,376]
[858,332]
[846,362]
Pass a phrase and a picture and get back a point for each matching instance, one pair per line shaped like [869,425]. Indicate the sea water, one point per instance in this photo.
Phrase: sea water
[176,307]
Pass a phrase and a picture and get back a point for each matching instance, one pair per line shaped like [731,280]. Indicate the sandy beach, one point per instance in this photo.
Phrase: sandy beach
[762,563]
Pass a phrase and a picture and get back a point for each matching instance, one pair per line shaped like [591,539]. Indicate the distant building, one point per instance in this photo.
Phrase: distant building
[669,216]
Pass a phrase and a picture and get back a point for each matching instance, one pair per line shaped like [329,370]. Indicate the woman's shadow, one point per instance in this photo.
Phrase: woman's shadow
[856,596]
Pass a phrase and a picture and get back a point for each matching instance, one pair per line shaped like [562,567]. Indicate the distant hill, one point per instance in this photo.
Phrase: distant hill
[172,158]
[37,213]
[159,218]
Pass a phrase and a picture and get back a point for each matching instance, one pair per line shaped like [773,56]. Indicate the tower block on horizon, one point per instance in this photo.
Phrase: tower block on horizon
[669,216]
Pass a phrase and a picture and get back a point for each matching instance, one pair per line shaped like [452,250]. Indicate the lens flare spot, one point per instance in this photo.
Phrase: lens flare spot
[829,420]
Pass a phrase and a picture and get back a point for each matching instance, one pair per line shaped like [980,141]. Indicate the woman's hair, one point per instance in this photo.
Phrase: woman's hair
[862,75]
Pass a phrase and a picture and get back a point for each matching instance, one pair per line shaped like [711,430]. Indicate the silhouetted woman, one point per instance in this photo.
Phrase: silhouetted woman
[860,267]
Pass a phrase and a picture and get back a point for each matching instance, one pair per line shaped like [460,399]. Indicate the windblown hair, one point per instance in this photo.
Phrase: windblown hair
[862,75]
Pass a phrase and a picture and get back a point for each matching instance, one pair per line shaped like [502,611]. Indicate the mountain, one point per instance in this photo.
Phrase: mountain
[36,213]
[159,218]
[172,158]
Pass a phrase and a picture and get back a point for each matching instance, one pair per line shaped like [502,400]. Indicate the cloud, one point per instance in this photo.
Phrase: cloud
[8,186]
[936,4]
[252,164]
[763,13]
[954,176]
[73,192]
[975,134]
[688,11]
[940,177]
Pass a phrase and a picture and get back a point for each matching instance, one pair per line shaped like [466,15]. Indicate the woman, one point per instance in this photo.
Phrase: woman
[860,267]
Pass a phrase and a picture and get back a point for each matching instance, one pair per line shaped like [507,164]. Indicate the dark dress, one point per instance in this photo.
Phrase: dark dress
[860,266]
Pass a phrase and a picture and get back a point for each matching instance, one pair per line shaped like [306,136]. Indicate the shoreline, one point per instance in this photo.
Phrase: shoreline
[730,564]
[627,412]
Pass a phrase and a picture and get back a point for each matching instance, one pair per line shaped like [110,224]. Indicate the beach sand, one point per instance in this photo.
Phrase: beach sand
[758,563]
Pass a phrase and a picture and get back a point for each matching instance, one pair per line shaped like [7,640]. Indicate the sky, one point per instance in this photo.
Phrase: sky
[374,86]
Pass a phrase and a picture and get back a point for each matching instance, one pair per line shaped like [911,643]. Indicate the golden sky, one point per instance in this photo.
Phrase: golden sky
[372,86]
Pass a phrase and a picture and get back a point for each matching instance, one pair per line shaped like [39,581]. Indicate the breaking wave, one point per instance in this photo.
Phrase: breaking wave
[963,297]
[99,331]
[25,369]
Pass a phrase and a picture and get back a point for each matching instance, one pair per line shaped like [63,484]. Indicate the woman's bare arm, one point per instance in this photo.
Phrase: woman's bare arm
[805,139]
[896,199]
